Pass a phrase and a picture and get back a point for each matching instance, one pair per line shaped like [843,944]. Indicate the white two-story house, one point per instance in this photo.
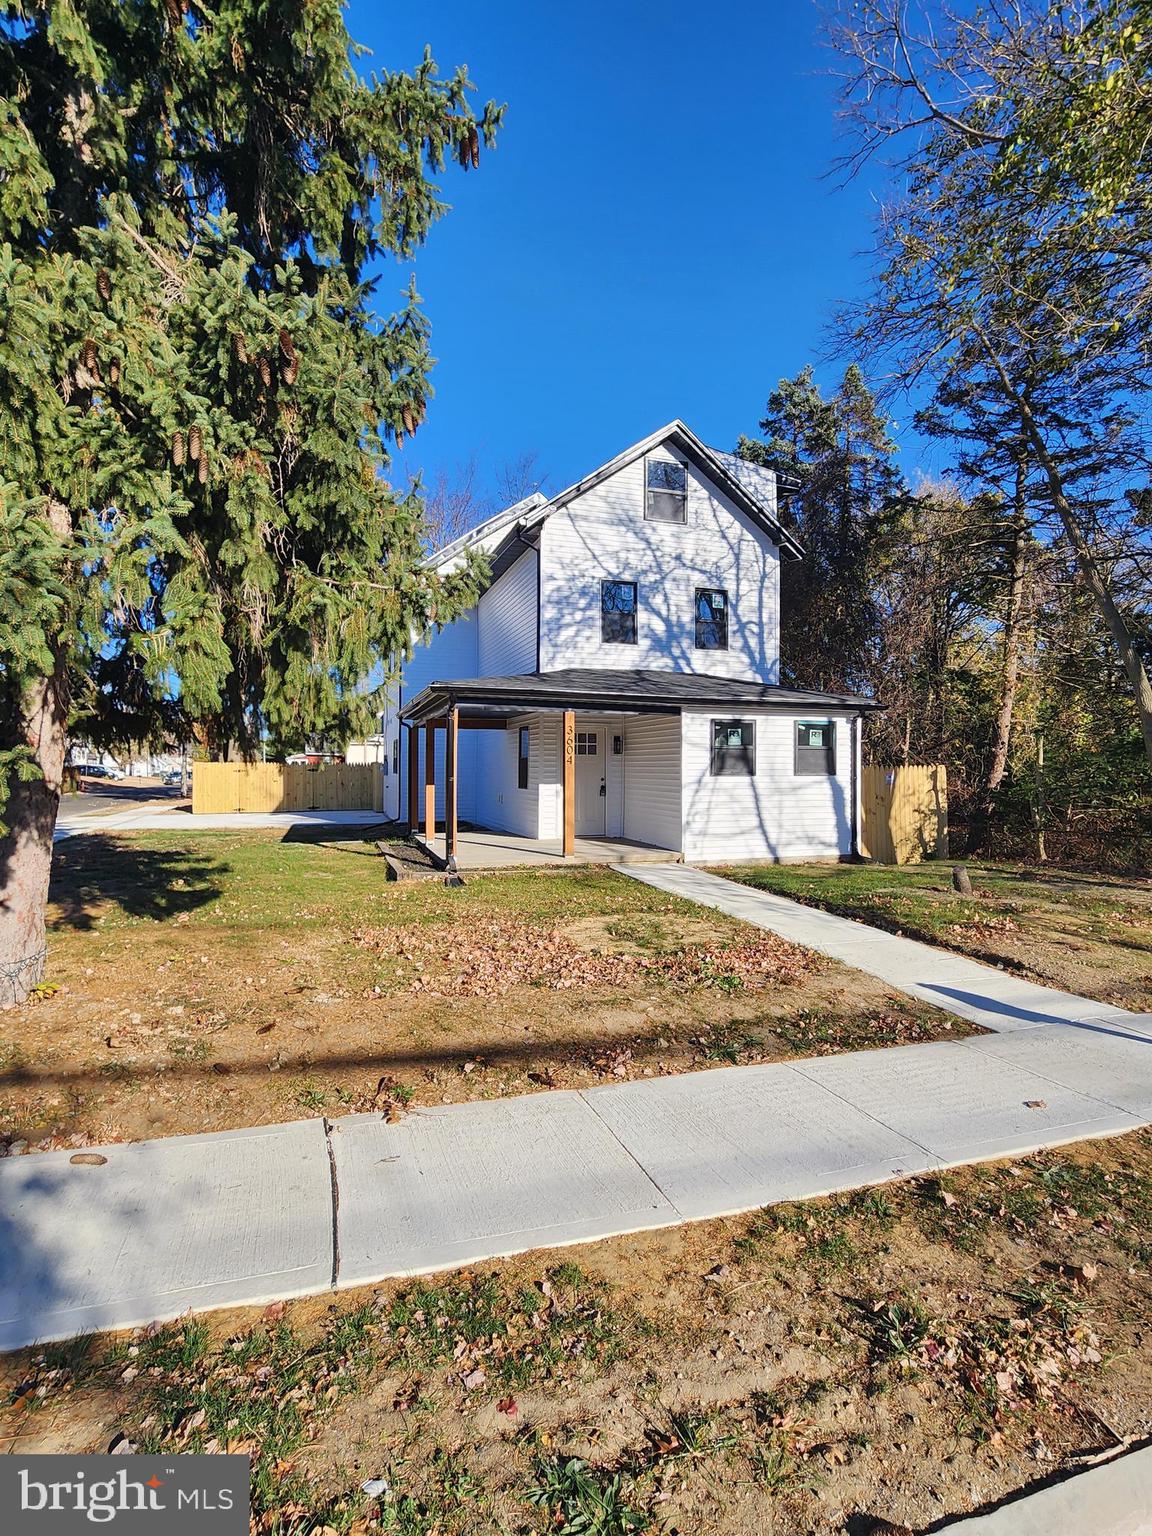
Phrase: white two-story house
[618,678]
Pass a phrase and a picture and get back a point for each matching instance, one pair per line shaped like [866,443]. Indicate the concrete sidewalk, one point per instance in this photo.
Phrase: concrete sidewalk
[979,993]
[181,819]
[289,1210]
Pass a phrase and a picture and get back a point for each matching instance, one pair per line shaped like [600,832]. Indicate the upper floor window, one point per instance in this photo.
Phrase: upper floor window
[711,619]
[666,491]
[734,748]
[815,746]
[618,612]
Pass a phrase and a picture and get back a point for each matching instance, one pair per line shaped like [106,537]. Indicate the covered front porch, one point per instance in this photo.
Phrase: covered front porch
[482,848]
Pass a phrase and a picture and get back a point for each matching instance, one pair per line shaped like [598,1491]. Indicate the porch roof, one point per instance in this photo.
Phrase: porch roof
[593,688]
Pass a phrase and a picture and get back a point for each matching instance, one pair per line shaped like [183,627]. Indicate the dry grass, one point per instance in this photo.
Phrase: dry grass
[1090,934]
[205,982]
[907,1353]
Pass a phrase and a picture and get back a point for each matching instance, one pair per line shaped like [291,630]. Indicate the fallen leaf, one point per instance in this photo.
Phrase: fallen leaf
[1035,1103]
[507,1405]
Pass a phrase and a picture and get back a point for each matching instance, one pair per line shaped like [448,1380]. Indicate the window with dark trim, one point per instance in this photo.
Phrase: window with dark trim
[665,491]
[522,761]
[734,748]
[618,612]
[711,619]
[816,746]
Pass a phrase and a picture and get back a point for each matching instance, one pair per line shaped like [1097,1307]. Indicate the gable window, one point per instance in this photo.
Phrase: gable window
[522,760]
[711,619]
[734,748]
[815,746]
[665,491]
[618,612]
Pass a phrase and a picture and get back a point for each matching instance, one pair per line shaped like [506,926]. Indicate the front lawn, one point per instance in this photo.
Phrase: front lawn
[1083,933]
[908,1353]
[201,982]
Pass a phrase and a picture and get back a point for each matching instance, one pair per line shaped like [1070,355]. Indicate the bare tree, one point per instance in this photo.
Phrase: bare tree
[456,502]
[994,286]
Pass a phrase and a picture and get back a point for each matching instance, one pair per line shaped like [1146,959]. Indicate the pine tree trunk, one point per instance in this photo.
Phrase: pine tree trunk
[41,724]
[1010,671]
[26,847]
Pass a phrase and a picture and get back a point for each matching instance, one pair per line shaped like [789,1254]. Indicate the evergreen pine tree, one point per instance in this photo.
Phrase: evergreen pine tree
[842,455]
[196,397]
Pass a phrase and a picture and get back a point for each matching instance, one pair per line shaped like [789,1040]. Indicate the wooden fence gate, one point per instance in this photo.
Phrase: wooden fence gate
[218,787]
[904,814]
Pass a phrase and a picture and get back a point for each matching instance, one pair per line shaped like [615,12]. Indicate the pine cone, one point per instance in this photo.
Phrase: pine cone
[289,371]
[409,420]
[88,355]
[202,469]
[265,368]
[474,149]
[463,154]
[287,350]
[240,348]
[114,372]
[104,284]
[178,449]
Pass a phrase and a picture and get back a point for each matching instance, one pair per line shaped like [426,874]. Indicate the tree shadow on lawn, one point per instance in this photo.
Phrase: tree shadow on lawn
[360,840]
[144,882]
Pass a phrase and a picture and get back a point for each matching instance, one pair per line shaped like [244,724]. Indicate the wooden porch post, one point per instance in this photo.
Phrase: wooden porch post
[413,778]
[568,847]
[430,781]
[451,781]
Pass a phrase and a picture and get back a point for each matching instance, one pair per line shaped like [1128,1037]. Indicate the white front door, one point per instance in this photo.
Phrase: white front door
[591,789]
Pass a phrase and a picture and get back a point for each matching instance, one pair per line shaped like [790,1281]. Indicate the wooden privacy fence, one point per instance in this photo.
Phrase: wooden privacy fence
[220,787]
[904,814]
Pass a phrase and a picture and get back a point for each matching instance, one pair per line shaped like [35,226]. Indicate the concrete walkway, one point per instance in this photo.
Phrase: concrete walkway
[251,1216]
[288,1210]
[979,993]
[180,819]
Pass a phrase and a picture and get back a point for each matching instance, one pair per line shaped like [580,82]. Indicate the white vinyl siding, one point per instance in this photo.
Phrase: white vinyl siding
[507,643]
[777,814]
[652,795]
[603,535]
[500,802]
[446,653]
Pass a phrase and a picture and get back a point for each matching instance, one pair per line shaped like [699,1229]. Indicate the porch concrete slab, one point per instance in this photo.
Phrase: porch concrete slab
[982,994]
[480,850]
[737,1138]
[456,1184]
[964,1105]
[1103,1060]
[186,1222]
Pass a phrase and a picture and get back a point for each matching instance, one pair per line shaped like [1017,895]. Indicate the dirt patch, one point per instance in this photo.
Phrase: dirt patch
[226,981]
[910,1353]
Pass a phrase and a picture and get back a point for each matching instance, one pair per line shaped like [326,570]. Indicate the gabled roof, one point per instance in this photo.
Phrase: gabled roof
[750,486]
[640,691]
[483,531]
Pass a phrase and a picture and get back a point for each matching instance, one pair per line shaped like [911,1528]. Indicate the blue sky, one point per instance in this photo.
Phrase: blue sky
[654,236]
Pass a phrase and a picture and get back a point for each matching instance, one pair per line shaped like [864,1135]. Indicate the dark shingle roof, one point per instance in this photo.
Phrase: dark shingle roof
[591,687]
